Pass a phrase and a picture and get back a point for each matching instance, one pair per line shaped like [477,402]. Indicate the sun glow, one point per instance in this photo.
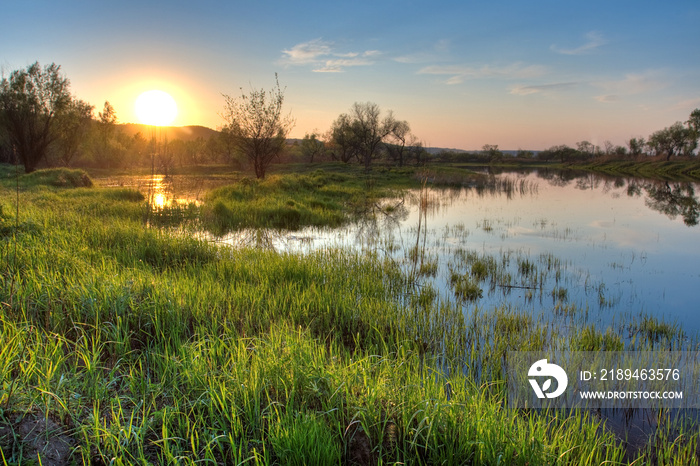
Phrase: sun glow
[156,108]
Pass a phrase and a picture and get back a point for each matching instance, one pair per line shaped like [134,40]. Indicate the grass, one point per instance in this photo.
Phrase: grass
[292,201]
[129,344]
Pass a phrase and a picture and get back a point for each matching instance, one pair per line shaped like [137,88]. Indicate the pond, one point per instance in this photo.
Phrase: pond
[551,243]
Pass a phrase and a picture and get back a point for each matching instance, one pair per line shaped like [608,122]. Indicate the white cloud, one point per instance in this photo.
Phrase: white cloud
[307,52]
[322,55]
[460,73]
[595,40]
[541,88]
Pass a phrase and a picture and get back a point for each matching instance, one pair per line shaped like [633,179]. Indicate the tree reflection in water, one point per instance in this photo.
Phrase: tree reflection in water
[674,199]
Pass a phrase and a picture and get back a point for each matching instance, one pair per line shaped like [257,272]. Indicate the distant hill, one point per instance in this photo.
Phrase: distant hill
[185,133]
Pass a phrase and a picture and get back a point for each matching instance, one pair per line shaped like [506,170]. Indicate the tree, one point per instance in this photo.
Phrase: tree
[361,132]
[311,147]
[31,101]
[694,124]
[72,127]
[256,125]
[586,148]
[674,140]
[344,144]
[492,152]
[400,141]
[636,146]
[108,147]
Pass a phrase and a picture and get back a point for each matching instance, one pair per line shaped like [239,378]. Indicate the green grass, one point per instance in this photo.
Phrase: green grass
[293,201]
[143,345]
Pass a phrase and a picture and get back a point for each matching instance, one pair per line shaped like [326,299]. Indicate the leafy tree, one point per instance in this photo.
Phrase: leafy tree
[72,127]
[311,147]
[31,101]
[257,127]
[674,140]
[109,147]
[344,145]
[586,148]
[492,152]
[694,124]
[636,146]
[525,154]
[361,133]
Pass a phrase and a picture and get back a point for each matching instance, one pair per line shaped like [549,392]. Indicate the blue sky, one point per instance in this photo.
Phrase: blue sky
[463,74]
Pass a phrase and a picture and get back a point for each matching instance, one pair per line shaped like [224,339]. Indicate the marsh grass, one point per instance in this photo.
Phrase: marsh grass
[292,201]
[146,345]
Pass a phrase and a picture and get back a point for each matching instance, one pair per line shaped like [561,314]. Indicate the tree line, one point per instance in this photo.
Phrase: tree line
[43,124]
[681,139]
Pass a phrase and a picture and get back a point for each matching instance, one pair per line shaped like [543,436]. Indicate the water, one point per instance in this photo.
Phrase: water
[609,249]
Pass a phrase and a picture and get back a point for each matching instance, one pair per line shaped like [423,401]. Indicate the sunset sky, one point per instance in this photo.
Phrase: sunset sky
[518,74]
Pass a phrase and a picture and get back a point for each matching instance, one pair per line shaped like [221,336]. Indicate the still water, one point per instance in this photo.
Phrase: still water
[609,249]
[613,249]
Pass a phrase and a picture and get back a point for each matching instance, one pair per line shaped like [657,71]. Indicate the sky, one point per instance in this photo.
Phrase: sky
[520,75]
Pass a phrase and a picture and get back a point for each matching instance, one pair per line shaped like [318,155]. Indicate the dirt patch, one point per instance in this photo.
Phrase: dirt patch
[358,446]
[44,440]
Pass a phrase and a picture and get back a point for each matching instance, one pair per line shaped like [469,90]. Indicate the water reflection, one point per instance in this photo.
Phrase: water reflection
[674,199]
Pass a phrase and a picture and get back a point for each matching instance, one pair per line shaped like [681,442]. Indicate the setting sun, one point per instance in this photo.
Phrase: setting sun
[156,108]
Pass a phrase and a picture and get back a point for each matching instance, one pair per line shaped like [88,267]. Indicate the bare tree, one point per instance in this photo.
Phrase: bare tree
[257,126]
[31,100]
[399,141]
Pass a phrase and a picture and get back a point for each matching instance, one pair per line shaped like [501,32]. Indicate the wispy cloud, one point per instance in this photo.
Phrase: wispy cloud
[607,98]
[307,52]
[324,58]
[460,73]
[594,40]
[631,84]
[541,88]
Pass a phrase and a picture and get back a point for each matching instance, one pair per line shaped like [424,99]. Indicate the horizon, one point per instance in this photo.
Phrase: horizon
[513,75]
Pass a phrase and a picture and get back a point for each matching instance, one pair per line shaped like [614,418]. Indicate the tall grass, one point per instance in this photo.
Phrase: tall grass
[143,345]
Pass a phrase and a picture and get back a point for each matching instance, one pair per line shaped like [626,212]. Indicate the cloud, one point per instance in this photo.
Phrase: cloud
[307,52]
[635,83]
[595,40]
[607,98]
[337,66]
[460,73]
[322,55]
[541,88]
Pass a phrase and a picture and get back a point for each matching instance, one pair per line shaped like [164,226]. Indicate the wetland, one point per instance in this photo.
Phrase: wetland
[334,317]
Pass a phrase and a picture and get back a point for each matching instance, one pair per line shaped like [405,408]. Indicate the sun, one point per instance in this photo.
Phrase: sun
[155,108]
